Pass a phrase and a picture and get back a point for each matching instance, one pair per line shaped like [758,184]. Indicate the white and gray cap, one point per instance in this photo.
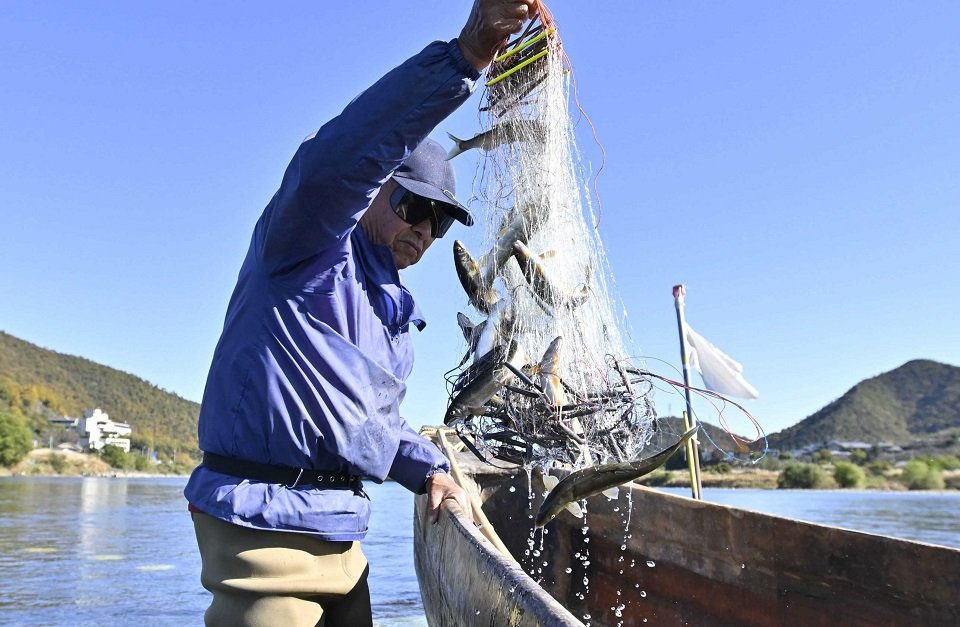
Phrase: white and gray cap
[427,172]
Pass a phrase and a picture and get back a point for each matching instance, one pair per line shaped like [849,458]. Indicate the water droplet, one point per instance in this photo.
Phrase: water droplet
[743,565]
[570,570]
[651,563]
[513,489]
[587,540]
[478,612]
[643,593]
[623,547]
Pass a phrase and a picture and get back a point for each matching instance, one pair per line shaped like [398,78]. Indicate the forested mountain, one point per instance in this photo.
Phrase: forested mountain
[38,383]
[920,400]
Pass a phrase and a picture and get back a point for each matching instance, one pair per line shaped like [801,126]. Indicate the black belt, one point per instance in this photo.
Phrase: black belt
[284,475]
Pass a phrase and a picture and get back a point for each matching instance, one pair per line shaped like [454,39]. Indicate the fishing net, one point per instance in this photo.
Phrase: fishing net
[548,378]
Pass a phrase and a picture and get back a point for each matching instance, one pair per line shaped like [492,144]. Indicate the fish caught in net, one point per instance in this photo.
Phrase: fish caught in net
[546,378]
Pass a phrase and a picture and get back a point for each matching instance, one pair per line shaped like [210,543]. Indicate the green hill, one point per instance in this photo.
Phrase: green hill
[714,437]
[38,383]
[917,402]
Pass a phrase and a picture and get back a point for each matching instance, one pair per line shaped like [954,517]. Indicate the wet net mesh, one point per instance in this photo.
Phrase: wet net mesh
[547,378]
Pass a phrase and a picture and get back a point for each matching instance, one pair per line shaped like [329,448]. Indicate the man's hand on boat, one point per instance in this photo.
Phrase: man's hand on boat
[441,487]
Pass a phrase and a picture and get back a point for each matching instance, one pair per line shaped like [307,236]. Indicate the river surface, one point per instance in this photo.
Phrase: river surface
[99,551]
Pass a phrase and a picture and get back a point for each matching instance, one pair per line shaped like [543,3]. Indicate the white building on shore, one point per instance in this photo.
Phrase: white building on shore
[97,430]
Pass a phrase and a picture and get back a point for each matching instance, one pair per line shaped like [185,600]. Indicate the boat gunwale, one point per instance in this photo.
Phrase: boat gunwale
[797,569]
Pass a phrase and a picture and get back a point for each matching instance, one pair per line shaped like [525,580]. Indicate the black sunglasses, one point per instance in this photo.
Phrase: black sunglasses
[414,209]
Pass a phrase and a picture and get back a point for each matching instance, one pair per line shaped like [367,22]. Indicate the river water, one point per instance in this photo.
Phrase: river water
[98,551]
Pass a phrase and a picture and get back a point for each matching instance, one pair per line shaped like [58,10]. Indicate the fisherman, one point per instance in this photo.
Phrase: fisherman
[302,398]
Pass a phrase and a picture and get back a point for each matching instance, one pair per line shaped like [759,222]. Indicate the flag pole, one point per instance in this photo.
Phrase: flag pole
[689,419]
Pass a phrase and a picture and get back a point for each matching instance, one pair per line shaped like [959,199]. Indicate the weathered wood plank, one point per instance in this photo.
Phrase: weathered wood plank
[465,581]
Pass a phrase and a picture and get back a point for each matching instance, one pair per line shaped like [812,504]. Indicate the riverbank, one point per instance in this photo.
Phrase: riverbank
[764,479]
[741,478]
[47,462]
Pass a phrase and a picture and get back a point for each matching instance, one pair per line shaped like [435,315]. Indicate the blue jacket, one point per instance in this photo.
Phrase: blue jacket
[309,371]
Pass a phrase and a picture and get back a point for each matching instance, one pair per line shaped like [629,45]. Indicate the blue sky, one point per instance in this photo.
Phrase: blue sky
[796,165]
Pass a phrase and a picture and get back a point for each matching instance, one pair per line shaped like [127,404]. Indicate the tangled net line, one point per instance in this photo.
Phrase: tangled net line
[550,380]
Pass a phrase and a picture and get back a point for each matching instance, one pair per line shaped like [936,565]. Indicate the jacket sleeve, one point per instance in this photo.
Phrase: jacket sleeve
[335,173]
[417,459]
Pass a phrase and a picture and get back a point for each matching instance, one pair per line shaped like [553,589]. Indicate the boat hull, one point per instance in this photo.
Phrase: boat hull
[670,560]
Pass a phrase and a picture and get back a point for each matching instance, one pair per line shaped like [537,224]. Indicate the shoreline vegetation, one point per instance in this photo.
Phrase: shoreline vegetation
[915,475]
[45,462]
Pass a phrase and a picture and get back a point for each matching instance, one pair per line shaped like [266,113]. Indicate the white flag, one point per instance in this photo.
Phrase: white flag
[721,373]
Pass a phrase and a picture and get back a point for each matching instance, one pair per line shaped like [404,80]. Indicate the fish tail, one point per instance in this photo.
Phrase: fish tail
[458,146]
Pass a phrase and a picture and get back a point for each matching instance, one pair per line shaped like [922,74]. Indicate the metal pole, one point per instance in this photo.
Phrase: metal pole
[689,420]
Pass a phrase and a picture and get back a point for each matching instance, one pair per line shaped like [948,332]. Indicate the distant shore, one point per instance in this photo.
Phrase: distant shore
[44,462]
[40,463]
[764,479]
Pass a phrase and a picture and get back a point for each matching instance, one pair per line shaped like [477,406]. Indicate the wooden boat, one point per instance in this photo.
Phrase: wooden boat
[654,558]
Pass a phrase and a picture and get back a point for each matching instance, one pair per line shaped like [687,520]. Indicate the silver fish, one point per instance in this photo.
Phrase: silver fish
[548,374]
[471,333]
[595,479]
[513,230]
[481,296]
[497,326]
[545,289]
[536,275]
[467,327]
[480,382]
[503,133]
[483,337]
